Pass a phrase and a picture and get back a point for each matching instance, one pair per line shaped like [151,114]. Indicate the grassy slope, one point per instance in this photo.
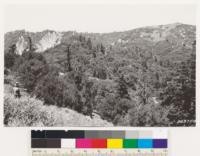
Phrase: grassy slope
[29,111]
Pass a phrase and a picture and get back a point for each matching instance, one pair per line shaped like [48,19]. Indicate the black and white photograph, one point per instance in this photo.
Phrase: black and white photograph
[100,65]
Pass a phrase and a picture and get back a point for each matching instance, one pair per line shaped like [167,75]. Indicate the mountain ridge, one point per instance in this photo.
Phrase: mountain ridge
[148,33]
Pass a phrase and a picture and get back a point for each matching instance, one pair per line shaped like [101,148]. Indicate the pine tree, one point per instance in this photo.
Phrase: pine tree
[30,44]
[122,90]
[89,43]
[10,56]
[102,49]
[68,64]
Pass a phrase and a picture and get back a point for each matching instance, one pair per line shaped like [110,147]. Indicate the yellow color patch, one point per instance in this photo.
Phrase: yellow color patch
[114,143]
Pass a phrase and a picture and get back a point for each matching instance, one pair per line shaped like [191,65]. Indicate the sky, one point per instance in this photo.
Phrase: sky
[95,17]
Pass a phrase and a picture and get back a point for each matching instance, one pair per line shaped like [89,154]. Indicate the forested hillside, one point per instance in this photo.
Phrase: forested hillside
[141,77]
[29,111]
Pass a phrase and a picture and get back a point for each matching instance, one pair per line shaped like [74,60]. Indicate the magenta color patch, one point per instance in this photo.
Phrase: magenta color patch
[83,143]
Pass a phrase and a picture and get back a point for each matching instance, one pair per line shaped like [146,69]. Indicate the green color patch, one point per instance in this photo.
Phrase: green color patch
[130,143]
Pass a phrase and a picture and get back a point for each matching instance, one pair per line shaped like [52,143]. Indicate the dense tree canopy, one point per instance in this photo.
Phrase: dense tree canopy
[126,84]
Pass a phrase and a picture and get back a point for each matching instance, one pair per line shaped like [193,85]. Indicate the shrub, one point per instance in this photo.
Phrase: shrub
[50,89]
[30,68]
[149,115]
[9,59]
[26,111]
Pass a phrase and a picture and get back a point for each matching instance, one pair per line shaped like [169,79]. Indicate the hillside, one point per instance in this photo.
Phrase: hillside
[181,33]
[140,77]
[29,111]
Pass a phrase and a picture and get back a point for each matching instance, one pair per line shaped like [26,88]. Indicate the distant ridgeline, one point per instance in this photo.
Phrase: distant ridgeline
[141,77]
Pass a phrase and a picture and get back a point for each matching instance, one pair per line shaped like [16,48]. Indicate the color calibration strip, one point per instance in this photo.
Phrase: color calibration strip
[99,139]
[99,143]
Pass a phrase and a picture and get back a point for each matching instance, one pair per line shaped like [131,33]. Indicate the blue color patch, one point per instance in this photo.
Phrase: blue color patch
[145,143]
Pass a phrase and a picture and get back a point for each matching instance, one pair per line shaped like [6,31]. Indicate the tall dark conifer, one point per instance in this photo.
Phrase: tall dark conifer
[69,68]
[122,90]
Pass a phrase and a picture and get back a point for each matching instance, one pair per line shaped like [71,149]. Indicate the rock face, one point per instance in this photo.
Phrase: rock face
[21,45]
[145,37]
[160,33]
[49,40]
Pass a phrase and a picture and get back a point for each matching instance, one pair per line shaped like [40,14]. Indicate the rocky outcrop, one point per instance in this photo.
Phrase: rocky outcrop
[162,32]
[21,45]
[49,40]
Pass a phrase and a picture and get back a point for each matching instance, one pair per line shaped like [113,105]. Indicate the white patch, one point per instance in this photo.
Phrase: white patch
[21,45]
[61,74]
[50,40]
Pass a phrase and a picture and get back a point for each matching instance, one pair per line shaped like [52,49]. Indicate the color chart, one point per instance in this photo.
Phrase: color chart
[99,143]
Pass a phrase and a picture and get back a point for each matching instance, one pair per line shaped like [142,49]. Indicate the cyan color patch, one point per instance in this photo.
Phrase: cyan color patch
[145,143]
